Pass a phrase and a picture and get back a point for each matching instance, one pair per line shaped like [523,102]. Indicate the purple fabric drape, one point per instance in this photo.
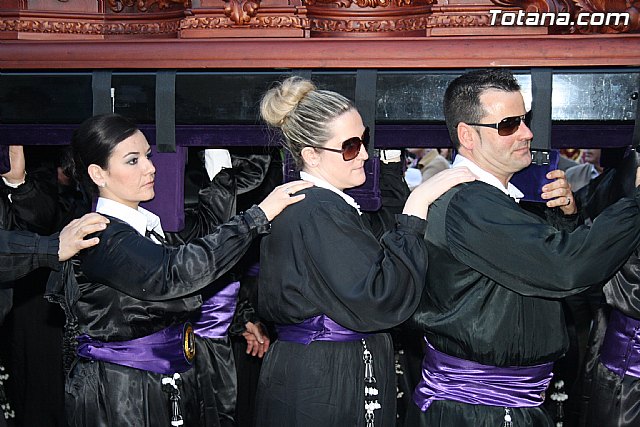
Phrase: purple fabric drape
[447,377]
[318,328]
[620,351]
[167,351]
[217,313]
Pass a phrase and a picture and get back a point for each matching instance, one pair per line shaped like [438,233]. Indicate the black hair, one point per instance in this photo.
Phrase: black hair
[94,141]
[462,97]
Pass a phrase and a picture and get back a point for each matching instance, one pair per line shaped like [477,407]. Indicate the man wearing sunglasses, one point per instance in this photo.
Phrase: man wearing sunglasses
[491,311]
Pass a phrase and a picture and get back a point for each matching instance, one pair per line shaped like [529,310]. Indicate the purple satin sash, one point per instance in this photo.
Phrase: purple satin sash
[447,377]
[167,351]
[318,328]
[217,312]
[620,350]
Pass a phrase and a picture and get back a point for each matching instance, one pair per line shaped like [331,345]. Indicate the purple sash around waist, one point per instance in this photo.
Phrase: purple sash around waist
[447,377]
[167,351]
[217,313]
[620,351]
[318,328]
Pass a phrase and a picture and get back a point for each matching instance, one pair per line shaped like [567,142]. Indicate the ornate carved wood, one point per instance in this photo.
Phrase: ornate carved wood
[144,5]
[245,18]
[90,19]
[261,34]
[373,18]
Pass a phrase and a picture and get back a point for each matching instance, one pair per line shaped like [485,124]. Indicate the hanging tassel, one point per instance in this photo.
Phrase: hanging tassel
[370,390]
[170,386]
[507,418]
[5,409]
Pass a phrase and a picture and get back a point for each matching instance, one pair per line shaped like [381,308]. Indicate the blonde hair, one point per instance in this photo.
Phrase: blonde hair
[302,113]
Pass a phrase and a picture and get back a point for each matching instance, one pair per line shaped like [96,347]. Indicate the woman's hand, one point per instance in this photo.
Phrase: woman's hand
[282,196]
[424,194]
[17,173]
[257,339]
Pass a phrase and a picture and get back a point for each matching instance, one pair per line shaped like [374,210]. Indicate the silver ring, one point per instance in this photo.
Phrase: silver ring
[568,201]
[288,191]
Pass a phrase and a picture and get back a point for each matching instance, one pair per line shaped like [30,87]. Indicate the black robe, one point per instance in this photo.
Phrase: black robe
[32,328]
[31,208]
[495,275]
[128,287]
[21,252]
[614,400]
[217,202]
[323,258]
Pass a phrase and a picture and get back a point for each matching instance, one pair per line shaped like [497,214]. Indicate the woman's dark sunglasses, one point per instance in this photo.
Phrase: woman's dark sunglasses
[508,125]
[351,147]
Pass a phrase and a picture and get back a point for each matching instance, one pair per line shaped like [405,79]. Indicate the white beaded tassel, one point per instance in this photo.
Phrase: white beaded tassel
[507,418]
[370,390]
[170,385]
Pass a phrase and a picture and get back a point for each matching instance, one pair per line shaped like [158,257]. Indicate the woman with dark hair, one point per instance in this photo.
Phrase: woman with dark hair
[326,281]
[129,299]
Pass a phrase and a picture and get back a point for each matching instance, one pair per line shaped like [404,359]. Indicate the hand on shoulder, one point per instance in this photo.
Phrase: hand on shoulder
[72,235]
[283,196]
[424,194]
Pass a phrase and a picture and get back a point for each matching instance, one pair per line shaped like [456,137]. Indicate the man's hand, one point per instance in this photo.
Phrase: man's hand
[257,339]
[73,234]
[558,193]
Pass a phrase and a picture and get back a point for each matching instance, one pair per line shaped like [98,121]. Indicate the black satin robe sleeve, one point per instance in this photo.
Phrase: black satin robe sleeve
[134,265]
[370,287]
[321,258]
[623,290]
[217,197]
[33,206]
[525,254]
[21,252]
[610,186]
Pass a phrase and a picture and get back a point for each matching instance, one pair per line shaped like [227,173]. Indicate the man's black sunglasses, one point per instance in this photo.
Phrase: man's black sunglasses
[508,125]
[351,147]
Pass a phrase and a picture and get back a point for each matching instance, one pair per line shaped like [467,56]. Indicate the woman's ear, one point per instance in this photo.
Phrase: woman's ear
[97,175]
[310,156]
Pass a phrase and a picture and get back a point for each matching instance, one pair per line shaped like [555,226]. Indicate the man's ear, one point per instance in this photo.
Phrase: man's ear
[310,156]
[467,135]
[97,175]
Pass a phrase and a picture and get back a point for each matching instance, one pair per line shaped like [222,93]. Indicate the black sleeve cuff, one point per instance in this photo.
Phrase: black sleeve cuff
[47,251]
[411,223]
[256,219]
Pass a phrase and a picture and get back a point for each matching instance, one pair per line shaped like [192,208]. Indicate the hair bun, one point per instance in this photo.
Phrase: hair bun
[280,100]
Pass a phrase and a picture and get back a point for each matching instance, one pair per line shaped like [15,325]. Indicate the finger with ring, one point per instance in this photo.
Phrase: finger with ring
[568,201]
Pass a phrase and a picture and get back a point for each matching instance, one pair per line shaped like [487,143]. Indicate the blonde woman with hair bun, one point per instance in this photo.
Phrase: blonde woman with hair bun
[327,281]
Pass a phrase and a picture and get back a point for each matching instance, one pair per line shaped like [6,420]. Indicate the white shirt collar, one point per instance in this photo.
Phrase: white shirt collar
[141,220]
[319,182]
[484,176]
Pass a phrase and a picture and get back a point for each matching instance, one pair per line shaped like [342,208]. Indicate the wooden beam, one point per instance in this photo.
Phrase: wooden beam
[254,53]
